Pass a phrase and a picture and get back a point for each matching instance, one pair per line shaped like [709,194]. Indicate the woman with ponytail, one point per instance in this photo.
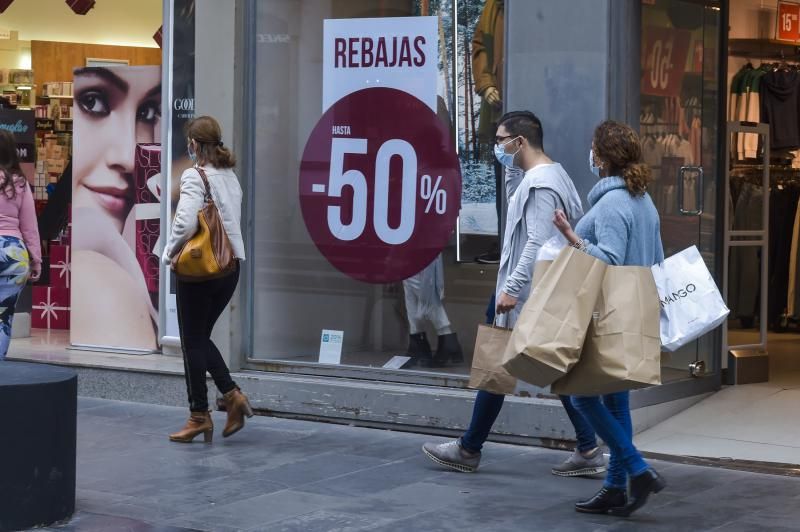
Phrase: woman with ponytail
[622,228]
[200,304]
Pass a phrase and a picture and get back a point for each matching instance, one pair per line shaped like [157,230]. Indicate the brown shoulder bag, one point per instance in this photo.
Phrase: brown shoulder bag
[208,254]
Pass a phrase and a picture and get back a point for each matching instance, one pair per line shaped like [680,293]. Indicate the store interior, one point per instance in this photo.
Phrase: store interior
[763,87]
[41,43]
[747,422]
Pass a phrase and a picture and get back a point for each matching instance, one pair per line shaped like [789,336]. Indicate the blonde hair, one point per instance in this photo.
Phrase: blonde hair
[619,146]
[205,131]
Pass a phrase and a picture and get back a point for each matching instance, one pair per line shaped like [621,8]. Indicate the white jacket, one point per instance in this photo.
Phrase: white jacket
[227,195]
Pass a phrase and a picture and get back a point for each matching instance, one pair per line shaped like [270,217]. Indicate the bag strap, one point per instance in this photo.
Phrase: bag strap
[205,182]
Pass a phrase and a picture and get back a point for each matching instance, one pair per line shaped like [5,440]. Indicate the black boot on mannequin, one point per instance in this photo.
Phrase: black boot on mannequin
[419,350]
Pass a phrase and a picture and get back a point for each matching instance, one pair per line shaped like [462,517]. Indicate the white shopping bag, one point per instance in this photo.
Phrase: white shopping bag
[691,304]
[550,249]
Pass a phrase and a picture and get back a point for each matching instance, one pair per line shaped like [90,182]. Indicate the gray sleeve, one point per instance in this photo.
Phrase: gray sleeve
[539,224]
[513,177]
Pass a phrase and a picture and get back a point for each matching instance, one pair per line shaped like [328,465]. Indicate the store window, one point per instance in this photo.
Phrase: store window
[679,123]
[301,300]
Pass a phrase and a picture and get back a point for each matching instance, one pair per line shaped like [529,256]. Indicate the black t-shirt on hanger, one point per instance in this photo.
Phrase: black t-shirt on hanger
[780,107]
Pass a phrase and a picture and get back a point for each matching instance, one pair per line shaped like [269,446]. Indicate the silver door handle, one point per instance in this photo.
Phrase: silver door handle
[693,174]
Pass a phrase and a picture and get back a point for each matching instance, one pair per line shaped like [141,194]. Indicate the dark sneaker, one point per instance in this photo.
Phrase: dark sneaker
[579,465]
[452,455]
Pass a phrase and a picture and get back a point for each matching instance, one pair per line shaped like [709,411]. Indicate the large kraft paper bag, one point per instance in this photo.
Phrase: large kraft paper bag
[540,268]
[548,336]
[487,372]
[623,348]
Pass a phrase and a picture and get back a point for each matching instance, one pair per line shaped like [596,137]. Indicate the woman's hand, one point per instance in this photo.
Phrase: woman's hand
[562,224]
[36,272]
[505,303]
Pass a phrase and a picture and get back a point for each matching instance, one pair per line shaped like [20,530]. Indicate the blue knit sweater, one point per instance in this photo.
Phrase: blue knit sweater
[620,229]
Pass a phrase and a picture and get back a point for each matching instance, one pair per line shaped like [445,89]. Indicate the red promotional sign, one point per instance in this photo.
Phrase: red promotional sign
[788,23]
[380,185]
[665,53]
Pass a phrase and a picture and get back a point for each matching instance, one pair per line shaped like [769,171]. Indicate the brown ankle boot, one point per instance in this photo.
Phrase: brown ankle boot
[198,423]
[237,406]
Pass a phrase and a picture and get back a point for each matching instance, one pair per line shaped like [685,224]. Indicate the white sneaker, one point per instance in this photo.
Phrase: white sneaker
[452,455]
[578,465]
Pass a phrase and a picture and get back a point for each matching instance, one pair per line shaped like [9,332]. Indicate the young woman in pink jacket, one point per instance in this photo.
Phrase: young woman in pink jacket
[20,248]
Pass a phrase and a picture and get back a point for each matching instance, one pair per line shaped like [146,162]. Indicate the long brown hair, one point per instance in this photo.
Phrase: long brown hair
[618,146]
[11,175]
[206,132]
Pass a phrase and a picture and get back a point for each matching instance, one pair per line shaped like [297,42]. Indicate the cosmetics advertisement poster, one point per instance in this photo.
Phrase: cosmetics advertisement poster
[116,191]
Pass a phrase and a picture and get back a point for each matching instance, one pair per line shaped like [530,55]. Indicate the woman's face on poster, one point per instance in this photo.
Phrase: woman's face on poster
[114,109]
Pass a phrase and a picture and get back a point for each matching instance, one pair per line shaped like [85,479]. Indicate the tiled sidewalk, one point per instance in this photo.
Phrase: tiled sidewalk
[283,475]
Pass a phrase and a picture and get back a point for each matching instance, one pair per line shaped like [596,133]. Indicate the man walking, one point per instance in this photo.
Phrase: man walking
[536,186]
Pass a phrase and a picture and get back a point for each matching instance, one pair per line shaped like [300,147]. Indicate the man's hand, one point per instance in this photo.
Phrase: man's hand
[505,303]
[492,96]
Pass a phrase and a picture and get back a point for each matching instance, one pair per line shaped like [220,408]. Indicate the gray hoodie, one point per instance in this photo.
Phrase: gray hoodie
[532,198]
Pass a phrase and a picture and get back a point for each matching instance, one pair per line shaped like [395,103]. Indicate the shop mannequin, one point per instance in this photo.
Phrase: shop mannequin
[488,60]
[424,294]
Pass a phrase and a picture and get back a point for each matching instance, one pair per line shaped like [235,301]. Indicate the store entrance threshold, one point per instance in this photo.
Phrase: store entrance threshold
[751,422]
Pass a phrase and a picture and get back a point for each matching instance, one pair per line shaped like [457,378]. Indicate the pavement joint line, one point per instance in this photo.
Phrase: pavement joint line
[749,466]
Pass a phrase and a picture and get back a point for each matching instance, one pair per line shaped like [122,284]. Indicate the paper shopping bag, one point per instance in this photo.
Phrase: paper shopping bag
[622,349]
[487,370]
[540,268]
[691,304]
[548,336]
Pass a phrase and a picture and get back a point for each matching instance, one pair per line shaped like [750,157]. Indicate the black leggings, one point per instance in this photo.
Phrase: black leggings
[199,307]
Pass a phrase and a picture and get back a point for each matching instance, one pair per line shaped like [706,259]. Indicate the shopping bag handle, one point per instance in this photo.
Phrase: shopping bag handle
[495,326]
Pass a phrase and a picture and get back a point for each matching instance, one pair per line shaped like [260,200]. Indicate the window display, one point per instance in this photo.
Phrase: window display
[398,284]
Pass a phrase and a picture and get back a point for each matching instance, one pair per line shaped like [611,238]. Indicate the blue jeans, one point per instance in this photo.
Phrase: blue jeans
[610,416]
[487,408]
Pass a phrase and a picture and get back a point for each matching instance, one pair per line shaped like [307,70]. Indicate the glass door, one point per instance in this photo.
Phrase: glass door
[679,119]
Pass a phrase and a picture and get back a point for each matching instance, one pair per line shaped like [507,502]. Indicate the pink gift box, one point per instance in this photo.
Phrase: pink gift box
[50,308]
[148,212]
[60,273]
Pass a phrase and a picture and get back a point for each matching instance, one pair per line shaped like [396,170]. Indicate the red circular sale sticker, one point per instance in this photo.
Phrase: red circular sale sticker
[380,185]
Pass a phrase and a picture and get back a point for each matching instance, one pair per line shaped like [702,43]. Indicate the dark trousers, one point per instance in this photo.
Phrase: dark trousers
[487,408]
[488,405]
[199,307]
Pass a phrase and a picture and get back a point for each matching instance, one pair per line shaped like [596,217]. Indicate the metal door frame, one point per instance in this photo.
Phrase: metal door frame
[734,238]
[713,380]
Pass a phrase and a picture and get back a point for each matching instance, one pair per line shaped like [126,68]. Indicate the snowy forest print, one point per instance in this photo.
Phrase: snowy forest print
[478,212]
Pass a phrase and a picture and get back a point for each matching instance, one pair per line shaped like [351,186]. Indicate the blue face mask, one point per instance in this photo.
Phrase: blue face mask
[192,154]
[595,169]
[506,159]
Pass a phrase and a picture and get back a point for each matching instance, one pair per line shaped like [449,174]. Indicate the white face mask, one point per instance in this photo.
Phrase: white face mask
[595,169]
[506,159]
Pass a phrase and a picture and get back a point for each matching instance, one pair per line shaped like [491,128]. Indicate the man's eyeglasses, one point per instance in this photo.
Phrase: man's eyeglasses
[499,140]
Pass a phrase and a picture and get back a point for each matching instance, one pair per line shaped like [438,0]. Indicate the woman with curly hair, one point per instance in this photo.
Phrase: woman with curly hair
[20,248]
[622,228]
